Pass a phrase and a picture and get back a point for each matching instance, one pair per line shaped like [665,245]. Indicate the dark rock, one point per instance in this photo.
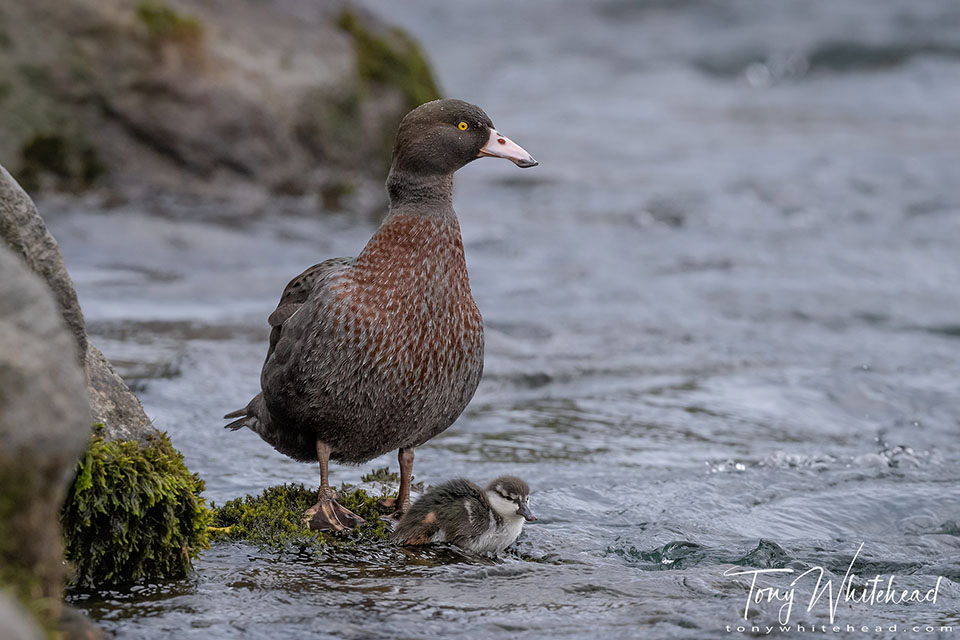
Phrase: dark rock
[44,426]
[111,401]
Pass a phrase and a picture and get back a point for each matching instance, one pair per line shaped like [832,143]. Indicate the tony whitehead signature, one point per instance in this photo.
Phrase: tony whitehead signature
[877,590]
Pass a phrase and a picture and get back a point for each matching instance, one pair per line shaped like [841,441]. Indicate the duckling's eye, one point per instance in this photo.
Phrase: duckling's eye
[462,126]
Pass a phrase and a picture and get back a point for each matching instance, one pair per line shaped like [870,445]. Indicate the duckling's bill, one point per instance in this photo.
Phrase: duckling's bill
[524,511]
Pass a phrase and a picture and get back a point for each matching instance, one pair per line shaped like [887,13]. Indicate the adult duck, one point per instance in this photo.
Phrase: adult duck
[385,350]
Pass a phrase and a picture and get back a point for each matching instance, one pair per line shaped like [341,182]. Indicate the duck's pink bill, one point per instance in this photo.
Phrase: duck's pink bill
[500,146]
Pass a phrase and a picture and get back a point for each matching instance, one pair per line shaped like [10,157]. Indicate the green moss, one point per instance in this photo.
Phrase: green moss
[6,42]
[394,61]
[165,24]
[5,89]
[133,513]
[384,476]
[70,159]
[272,520]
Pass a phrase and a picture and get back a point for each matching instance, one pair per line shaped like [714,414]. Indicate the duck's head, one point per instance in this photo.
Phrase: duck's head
[439,137]
[510,497]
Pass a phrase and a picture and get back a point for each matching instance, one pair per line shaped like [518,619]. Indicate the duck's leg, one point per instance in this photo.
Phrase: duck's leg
[327,515]
[405,458]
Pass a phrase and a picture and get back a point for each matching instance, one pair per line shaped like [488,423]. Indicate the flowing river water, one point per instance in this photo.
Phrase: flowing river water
[722,319]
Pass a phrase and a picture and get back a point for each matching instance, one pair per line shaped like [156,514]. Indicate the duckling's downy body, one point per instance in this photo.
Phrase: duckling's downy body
[461,513]
[385,350]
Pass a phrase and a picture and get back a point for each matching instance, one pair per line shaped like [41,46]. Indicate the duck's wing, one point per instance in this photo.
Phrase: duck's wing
[298,291]
[424,520]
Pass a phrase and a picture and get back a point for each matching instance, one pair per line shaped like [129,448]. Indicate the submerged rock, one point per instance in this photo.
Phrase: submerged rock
[215,98]
[44,422]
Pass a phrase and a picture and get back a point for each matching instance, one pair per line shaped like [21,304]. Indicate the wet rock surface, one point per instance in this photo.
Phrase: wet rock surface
[24,231]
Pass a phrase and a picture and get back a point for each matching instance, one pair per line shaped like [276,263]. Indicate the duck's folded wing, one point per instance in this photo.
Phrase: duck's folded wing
[298,291]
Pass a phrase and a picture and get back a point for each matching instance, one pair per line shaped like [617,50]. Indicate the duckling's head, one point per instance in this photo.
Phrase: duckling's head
[510,497]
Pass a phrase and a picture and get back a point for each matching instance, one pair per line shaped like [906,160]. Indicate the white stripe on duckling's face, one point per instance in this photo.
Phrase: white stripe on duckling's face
[506,508]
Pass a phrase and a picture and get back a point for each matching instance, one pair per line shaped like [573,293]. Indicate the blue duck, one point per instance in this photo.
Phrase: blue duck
[383,351]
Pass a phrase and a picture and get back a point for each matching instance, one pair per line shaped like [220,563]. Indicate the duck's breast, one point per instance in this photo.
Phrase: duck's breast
[424,333]
[390,353]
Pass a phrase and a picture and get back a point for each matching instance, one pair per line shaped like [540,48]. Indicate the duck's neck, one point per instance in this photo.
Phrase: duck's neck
[418,194]
[421,228]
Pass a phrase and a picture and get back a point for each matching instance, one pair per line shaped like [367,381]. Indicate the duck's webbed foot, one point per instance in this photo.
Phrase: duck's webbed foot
[329,515]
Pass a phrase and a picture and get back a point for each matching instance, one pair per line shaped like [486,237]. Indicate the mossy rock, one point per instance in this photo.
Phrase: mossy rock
[166,24]
[133,513]
[69,159]
[393,59]
[272,520]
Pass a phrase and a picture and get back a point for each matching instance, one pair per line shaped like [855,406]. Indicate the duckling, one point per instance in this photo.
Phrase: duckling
[460,512]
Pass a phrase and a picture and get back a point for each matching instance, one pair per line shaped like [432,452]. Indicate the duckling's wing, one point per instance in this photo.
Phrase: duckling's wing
[466,513]
[422,522]
[476,521]
[297,291]
[418,526]
[449,512]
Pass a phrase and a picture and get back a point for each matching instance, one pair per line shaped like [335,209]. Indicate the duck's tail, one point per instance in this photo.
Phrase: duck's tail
[249,416]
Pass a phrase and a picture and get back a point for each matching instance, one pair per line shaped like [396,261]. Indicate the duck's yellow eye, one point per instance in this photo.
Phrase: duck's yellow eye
[462,126]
